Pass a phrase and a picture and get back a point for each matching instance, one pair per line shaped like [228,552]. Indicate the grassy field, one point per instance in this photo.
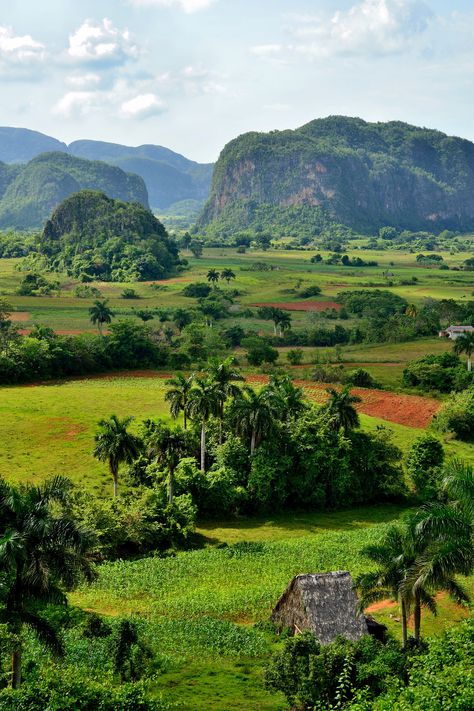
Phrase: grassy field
[48,429]
[200,608]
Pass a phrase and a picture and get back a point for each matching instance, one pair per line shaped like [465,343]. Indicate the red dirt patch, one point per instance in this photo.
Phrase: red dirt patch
[302,305]
[20,316]
[382,605]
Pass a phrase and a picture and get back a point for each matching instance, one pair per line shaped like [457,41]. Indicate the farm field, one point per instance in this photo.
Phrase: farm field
[214,653]
[48,428]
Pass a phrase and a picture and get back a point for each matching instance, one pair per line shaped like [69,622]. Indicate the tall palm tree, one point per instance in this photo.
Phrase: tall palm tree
[213,277]
[100,314]
[224,374]
[227,274]
[284,322]
[340,407]
[116,445]
[169,445]
[204,399]
[177,396]
[253,414]
[393,560]
[465,344]
[43,553]
[290,399]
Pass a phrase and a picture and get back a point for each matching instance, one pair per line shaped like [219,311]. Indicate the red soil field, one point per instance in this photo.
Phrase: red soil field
[20,316]
[302,305]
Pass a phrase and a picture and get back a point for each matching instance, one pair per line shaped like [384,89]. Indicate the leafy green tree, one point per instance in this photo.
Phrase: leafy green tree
[253,414]
[465,344]
[284,322]
[289,400]
[43,553]
[196,248]
[204,400]
[100,314]
[227,274]
[182,318]
[116,445]
[130,653]
[340,407]
[424,462]
[272,313]
[178,394]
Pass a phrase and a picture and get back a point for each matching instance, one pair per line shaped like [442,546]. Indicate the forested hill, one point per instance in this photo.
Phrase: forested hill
[92,236]
[169,176]
[29,193]
[364,175]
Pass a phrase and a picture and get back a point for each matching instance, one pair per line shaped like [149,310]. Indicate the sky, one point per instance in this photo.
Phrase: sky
[193,74]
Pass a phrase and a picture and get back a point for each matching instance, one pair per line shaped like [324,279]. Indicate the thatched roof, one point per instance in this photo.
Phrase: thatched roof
[324,604]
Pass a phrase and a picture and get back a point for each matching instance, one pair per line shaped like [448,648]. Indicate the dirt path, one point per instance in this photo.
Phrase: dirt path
[301,305]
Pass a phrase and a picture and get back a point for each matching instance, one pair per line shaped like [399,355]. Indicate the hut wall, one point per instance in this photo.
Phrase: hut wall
[290,612]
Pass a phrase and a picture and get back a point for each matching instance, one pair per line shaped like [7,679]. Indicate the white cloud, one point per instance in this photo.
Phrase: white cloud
[19,49]
[187,6]
[84,80]
[77,103]
[101,43]
[370,27]
[142,106]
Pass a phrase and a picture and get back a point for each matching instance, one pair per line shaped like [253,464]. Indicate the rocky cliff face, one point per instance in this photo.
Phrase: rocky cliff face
[360,174]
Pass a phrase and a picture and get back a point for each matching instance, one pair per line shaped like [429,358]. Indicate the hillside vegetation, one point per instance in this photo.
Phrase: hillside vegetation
[29,193]
[91,235]
[344,170]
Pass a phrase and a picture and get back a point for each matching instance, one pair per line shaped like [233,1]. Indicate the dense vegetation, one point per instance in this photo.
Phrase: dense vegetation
[92,236]
[29,193]
[343,170]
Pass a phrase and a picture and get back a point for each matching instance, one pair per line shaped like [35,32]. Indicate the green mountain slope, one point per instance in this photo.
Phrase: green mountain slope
[92,236]
[169,176]
[364,175]
[29,193]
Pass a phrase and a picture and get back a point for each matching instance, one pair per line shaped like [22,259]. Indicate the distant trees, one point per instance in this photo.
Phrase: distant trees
[101,314]
[227,274]
[116,445]
[168,446]
[213,277]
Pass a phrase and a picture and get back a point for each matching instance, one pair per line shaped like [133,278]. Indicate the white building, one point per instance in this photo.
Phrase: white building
[454,332]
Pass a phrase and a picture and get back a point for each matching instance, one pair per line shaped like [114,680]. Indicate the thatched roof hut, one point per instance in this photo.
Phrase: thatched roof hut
[324,604]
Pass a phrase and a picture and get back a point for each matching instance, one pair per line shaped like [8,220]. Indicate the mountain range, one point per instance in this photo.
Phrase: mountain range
[345,170]
[169,176]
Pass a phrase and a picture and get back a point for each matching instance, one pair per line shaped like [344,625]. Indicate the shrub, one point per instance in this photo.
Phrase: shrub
[309,291]
[197,290]
[295,356]
[424,461]
[129,293]
[361,378]
[457,415]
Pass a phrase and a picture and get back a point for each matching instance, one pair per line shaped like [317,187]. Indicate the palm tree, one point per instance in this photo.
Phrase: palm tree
[43,553]
[227,274]
[340,407]
[411,311]
[178,395]
[465,344]
[253,414]
[393,560]
[290,399]
[213,277]
[203,401]
[116,445]
[169,446]
[284,322]
[100,313]
[224,374]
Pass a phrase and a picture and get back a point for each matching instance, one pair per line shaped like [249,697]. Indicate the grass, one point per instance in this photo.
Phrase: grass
[202,608]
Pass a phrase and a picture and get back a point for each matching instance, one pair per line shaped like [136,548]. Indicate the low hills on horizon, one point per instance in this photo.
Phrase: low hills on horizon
[169,177]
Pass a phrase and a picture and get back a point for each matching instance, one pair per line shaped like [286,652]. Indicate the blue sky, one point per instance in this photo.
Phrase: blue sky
[193,74]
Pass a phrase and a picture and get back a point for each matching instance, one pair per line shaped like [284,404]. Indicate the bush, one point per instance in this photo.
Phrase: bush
[197,290]
[309,291]
[437,372]
[457,415]
[129,294]
[259,351]
[361,378]
[424,461]
[295,357]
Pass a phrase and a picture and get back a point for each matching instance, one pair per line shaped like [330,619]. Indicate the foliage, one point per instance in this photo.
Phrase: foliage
[437,372]
[92,236]
[423,462]
[457,415]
